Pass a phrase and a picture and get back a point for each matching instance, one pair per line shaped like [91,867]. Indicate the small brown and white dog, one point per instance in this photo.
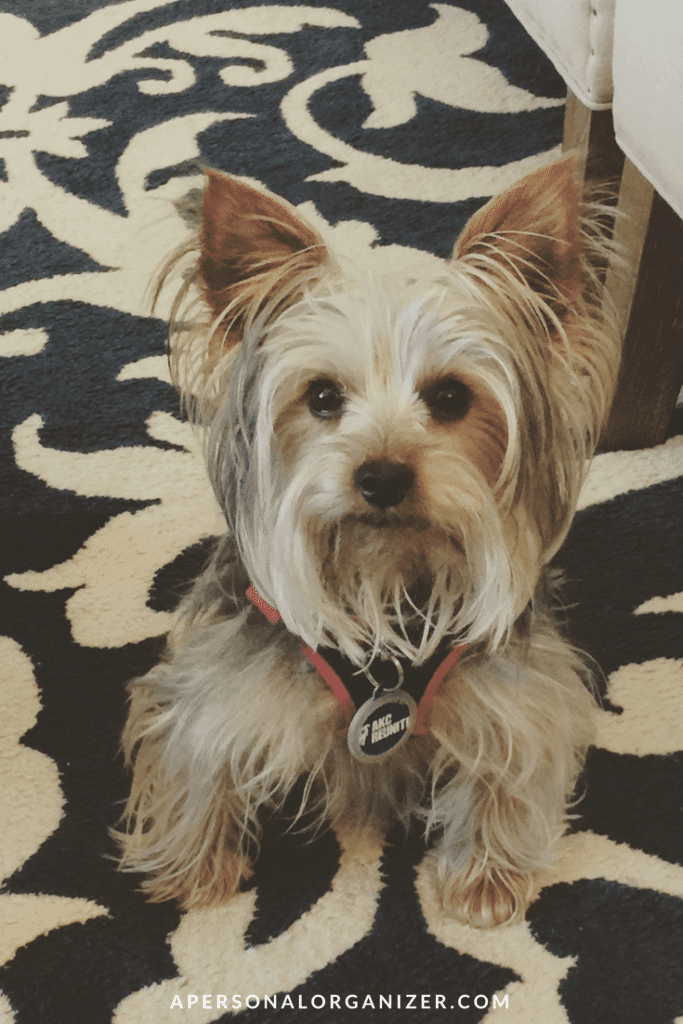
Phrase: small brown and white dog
[398,458]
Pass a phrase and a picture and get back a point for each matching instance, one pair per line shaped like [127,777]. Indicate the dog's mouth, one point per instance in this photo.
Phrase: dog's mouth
[409,529]
[407,545]
[389,519]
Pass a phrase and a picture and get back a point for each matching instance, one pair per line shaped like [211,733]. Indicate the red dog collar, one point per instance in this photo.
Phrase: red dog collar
[422,682]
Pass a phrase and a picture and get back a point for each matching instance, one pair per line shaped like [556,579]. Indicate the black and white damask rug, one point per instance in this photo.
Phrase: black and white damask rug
[388,122]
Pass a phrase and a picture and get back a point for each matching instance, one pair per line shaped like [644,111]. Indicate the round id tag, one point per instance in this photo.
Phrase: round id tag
[381,725]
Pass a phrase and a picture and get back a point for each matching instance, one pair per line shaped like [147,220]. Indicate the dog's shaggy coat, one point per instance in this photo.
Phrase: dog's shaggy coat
[398,459]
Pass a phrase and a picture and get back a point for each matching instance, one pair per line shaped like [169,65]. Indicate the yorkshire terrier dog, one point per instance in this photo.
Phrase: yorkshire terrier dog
[398,459]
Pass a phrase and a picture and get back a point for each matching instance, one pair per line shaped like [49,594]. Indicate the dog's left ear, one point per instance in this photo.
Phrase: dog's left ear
[533,229]
[250,243]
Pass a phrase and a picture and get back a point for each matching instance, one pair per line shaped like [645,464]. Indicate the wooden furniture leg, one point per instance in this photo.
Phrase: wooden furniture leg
[649,297]
[590,135]
[646,284]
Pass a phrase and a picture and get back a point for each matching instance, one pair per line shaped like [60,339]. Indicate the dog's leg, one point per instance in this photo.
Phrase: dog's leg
[217,738]
[187,829]
[512,746]
[486,871]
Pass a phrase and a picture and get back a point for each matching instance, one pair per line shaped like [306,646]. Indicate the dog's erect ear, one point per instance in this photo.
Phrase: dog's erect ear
[249,241]
[534,229]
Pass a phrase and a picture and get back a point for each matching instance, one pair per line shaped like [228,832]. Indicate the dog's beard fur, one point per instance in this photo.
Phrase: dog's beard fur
[514,330]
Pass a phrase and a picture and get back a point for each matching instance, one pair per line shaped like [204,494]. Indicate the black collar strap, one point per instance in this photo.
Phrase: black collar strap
[352,688]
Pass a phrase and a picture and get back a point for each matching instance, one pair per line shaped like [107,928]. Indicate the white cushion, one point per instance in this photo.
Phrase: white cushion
[648,91]
[577,36]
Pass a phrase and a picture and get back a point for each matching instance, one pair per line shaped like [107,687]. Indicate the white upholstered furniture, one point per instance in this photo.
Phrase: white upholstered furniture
[577,36]
[648,91]
[622,61]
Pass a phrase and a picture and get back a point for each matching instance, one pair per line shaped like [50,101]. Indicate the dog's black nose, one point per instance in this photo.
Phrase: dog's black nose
[384,483]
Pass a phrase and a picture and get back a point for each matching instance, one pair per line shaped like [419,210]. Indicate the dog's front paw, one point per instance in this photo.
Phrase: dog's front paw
[202,885]
[490,897]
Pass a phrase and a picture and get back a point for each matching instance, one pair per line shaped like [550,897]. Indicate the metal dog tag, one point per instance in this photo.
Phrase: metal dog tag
[382,724]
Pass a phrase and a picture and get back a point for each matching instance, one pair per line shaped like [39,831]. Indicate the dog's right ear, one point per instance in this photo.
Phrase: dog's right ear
[251,243]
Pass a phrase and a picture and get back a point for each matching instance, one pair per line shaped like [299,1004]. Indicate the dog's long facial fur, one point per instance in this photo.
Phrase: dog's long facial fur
[486,383]
[398,459]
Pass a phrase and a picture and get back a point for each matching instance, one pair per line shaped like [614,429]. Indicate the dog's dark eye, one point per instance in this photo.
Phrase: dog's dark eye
[325,399]
[447,399]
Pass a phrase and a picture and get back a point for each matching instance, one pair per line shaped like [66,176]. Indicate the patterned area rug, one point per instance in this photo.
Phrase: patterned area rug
[388,123]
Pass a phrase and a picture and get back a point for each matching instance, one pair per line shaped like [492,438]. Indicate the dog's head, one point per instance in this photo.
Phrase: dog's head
[397,457]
